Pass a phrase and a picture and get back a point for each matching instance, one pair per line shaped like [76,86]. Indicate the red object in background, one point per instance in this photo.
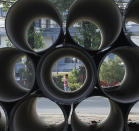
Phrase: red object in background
[110,84]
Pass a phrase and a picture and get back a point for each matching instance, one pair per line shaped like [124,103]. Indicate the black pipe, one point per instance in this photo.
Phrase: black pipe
[46,83]
[104,13]
[128,91]
[9,89]
[114,121]
[132,11]
[25,118]
[21,15]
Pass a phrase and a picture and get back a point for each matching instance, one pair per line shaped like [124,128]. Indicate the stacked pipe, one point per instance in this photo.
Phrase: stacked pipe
[19,104]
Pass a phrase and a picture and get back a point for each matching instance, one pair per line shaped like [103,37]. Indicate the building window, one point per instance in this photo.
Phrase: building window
[47,23]
[38,23]
[69,60]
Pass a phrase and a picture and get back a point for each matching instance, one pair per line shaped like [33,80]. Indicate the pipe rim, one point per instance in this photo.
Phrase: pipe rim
[115,97]
[26,47]
[49,89]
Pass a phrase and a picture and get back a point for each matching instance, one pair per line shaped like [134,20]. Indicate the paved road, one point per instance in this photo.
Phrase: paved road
[95,105]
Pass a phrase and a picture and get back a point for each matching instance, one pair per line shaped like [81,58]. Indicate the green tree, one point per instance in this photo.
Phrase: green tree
[63,6]
[90,36]
[35,39]
[26,74]
[9,44]
[112,71]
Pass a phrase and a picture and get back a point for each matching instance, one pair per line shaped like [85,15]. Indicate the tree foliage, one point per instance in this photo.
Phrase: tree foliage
[35,39]
[26,74]
[76,78]
[90,36]
[112,71]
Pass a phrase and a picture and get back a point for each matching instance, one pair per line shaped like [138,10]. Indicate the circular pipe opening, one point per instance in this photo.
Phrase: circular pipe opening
[24,73]
[33,115]
[90,10]
[132,32]
[21,15]
[93,110]
[86,34]
[47,83]
[128,90]
[10,89]
[112,71]
[3,119]
[69,74]
[91,113]
[42,33]
[131,20]
[49,112]
[133,118]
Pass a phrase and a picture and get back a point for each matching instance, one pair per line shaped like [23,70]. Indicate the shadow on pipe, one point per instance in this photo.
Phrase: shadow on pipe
[105,14]
[3,120]
[132,11]
[45,80]
[128,91]
[113,122]
[25,118]
[10,90]
[21,15]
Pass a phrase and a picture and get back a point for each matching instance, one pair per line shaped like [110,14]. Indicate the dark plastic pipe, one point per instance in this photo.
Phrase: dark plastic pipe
[128,91]
[133,127]
[22,14]
[46,83]
[131,15]
[132,11]
[104,13]
[9,89]
[25,118]
[114,122]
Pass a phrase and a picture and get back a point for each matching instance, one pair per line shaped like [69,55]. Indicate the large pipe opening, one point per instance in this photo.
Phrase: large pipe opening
[113,121]
[42,34]
[22,14]
[133,118]
[90,10]
[27,116]
[132,22]
[10,89]
[86,34]
[112,71]
[51,88]
[128,90]
[131,13]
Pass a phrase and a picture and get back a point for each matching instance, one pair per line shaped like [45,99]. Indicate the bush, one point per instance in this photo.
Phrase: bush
[75,80]
[57,78]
